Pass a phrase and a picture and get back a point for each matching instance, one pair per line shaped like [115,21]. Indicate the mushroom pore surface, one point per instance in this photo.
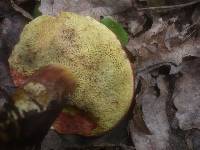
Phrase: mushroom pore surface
[94,56]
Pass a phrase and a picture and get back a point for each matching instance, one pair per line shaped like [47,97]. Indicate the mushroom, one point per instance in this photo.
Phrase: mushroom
[95,57]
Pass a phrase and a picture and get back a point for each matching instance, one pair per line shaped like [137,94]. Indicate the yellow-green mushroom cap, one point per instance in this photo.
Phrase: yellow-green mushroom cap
[94,56]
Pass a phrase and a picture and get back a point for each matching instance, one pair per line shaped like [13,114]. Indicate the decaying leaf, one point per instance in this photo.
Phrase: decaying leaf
[187,95]
[94,8]
[153,100]
[10,29]
[138,120]
[162,44]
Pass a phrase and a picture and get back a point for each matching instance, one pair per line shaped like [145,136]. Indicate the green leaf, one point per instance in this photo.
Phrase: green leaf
[36,12]
[116,28]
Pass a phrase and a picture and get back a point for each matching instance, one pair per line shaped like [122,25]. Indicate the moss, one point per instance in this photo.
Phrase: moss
[91,52]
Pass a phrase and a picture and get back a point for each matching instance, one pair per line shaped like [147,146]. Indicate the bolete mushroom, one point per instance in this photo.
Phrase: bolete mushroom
[96,59]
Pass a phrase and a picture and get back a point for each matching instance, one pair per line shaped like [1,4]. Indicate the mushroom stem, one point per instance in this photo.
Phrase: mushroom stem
[30,111]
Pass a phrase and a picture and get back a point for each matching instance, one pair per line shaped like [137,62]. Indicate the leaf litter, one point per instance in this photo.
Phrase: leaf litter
[165,48]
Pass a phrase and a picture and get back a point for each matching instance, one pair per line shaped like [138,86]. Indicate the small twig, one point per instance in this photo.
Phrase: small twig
[20,10]
[170,6]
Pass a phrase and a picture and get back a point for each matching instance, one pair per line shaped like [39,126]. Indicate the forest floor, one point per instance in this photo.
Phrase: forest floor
[164,46]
